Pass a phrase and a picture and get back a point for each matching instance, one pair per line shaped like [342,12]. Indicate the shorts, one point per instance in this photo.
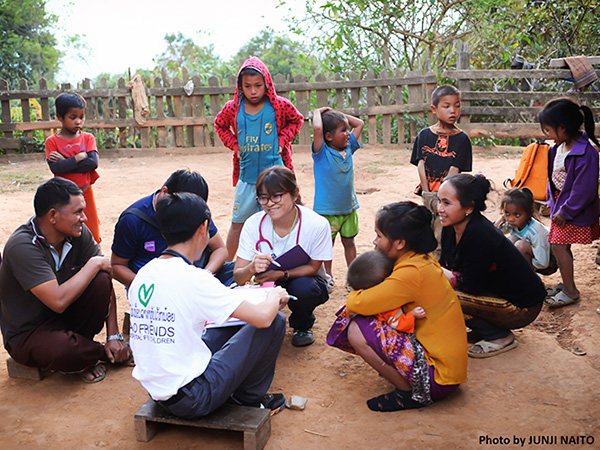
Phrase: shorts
[346,225]
[244,202]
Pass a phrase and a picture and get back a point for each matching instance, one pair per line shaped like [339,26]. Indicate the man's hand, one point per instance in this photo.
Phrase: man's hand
[117,351]
[102,262]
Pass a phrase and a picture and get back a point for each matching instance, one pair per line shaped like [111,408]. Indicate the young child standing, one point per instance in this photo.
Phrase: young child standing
[335,139]
[259,126]
[72,153]
[572,187]
[441,150]
[528,234]
[368,270]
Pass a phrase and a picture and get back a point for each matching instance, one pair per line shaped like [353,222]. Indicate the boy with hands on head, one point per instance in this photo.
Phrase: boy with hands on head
[335,139]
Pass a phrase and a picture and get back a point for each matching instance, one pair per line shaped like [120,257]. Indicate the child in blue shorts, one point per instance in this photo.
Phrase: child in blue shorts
[258,126]
[335,139]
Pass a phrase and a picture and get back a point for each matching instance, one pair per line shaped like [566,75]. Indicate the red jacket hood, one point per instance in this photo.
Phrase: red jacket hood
[255,63]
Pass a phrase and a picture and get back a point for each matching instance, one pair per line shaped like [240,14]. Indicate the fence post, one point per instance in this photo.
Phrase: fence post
[415,97]
[399,97]
[386,119]
[463,62]
[302,99]
[372,118]
[215,107]
[122,112]
[160,114]
[26,113]
[198,111]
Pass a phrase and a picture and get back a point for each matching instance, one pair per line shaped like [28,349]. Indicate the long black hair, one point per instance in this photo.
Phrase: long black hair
[410,222]
[564,112]
[471,190]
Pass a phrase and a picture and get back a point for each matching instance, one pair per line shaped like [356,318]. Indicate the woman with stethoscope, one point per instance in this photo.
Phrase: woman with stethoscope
[282,225]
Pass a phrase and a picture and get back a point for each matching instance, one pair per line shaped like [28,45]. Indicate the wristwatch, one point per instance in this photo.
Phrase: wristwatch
[286,275]
[115,337]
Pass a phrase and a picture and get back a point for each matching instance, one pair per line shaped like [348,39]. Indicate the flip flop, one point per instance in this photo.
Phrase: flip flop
[560,299]
[491,349]
[552,291]
[90,370]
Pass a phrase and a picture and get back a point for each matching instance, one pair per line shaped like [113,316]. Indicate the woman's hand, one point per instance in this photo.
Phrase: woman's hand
[260,262]
[271,275]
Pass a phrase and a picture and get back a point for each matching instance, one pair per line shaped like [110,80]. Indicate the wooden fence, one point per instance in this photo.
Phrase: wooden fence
[496,103]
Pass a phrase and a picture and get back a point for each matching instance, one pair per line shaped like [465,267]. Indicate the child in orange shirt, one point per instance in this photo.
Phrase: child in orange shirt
[370,269]
[72,153]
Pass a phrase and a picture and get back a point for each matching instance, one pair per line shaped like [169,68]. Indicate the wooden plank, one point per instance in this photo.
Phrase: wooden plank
[122,113]
[339,93]
[283,89]
[160,114]
[280,80]
[399,98]
[386,119]
[91,110]
[355,91]
[372,119]
[415,95]
[187,109]
[169,106]
[26,111]
[45,104]
[10,143]
[5,104]
[255,423]
[523,96]
[463,63]
[500,74]
[322,94]
[302,102]
[215,107]
[560,62]
[507,130]
[144,131]
[178,112]
[197,105]
[106,115]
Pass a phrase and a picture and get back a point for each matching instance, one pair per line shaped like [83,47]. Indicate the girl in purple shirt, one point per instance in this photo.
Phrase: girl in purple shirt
[572,187]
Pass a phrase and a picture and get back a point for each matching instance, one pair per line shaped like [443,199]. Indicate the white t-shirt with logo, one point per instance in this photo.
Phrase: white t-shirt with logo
[312,232]
[170,303]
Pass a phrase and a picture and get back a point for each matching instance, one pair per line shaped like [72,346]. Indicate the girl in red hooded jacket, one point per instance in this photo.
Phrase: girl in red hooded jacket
[259,126]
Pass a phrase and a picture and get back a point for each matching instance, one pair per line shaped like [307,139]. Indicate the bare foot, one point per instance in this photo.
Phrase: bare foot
[95,374]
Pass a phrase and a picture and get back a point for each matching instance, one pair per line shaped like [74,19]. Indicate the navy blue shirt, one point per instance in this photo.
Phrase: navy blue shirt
[140,242]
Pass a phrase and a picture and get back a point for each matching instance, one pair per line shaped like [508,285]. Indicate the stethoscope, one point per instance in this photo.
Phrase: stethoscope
[262,239]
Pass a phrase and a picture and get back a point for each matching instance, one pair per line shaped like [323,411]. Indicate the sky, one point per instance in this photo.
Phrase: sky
[123,34]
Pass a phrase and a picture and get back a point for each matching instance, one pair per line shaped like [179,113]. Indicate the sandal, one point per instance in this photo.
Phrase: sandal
[396,400]
[90,371]
[552,291]
[491,348]
[560,299]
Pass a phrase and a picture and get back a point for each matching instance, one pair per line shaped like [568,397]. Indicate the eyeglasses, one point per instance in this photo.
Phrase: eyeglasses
[275,198]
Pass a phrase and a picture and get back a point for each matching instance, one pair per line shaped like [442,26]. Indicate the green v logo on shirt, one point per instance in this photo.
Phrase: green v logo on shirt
[144,294]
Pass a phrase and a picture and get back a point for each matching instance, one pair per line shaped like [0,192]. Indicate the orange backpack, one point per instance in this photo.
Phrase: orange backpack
[532,171]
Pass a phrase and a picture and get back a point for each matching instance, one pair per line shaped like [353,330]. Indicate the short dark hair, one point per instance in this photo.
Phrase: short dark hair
[471,190]
[185,180]
[410,222]
[369,269]
[66,101]
[442,91]
[54,193]
[277,179]
[521,198]
[331,121]
[180,215]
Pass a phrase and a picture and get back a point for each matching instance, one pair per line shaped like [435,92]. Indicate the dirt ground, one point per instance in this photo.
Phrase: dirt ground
[545,389]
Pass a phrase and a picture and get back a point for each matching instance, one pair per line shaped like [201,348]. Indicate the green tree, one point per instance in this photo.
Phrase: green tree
[280,54]
[27,47]
[181,52]
[386,34]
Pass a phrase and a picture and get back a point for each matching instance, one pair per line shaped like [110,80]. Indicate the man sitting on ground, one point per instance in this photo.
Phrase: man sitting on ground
[56,289]
[137,239]
[171,300]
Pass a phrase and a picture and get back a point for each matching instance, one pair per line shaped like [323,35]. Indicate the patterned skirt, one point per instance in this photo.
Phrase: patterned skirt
[573,234]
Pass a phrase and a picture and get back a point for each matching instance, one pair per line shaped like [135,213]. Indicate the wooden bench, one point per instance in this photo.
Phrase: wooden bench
[255,423]
[16,370]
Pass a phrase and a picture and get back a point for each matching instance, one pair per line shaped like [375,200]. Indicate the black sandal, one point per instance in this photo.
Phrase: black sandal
[396,400]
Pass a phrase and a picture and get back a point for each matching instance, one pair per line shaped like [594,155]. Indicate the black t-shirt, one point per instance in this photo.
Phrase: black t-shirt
[439,153]
[489,264]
